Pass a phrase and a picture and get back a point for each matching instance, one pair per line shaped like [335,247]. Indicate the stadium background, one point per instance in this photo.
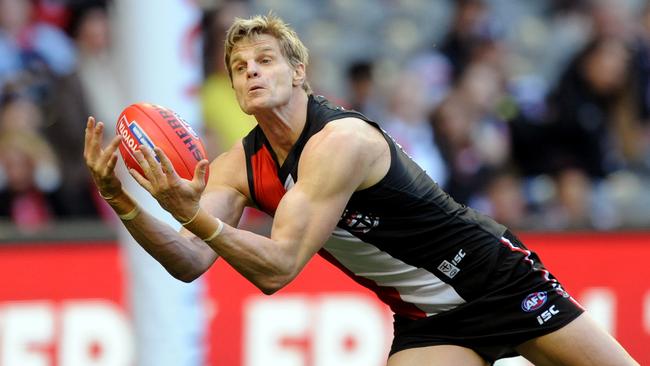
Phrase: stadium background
[535,112]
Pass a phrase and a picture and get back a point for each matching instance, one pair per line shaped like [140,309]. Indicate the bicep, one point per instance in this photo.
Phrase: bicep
[308,213]
[302,224]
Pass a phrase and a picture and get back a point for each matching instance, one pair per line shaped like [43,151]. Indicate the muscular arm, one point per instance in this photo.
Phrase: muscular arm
[182,254]
[335,163]
[184,257]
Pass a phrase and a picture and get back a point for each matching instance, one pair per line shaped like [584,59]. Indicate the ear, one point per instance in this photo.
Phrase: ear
[299,75]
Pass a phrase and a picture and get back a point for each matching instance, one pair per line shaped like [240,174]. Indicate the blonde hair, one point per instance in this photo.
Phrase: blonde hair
[290,45]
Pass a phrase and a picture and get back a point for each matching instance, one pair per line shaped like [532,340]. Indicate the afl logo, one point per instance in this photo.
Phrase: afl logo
[534,301]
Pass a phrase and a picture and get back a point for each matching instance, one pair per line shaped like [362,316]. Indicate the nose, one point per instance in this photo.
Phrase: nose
[252,70]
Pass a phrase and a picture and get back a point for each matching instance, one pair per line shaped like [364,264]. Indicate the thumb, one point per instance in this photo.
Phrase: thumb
[200,172]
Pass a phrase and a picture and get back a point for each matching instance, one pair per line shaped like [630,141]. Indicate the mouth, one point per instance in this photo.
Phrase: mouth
[254,88]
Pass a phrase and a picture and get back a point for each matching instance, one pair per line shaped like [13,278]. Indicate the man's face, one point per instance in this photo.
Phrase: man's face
[262,77]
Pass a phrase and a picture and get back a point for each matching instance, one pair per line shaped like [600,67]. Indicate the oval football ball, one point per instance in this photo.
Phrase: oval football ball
[156,126]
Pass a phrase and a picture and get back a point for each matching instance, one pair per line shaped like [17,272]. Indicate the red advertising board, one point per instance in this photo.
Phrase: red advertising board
[62,304]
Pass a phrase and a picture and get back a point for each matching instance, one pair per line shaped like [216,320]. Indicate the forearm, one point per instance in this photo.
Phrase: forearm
[183,257]
[261,260]
[266,263]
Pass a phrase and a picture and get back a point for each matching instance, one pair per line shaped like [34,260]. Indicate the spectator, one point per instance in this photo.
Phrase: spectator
[472,36]
[19,113]
[407,122]
[473,137]
[225,123]
[503,199]
[641,80]
[361,86]
[641,62]
[591,130]
[435,71]
[31,50]
[30,174]
[453,125]
[91,89]
[611,18]
[574,192]
[591,110]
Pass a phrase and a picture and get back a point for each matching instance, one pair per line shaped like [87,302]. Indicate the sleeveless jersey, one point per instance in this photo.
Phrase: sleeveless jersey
[404,238]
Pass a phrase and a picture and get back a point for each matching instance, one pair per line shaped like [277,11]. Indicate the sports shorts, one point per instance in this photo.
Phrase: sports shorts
[531,303]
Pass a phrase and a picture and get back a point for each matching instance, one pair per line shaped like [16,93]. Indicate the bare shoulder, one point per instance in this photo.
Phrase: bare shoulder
[354,142]
[352,133]
[229,170]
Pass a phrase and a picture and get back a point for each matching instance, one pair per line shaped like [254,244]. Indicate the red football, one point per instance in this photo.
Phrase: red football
[153,125]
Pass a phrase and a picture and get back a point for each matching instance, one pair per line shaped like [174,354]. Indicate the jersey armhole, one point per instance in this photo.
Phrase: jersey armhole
[249,150]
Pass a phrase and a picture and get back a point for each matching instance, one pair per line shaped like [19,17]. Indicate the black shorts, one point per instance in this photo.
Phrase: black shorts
[531,305]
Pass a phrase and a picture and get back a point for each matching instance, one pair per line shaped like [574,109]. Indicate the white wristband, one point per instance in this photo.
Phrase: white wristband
[216,232]
[192,219]
[130,215]
[105,197]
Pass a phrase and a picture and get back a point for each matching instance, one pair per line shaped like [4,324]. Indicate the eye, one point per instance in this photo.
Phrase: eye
[240,68]
[266,60]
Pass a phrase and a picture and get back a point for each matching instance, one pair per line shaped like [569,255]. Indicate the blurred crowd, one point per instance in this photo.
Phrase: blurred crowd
[51,57]
[534,112]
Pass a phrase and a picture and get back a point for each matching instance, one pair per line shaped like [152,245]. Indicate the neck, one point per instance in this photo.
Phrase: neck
[283,125]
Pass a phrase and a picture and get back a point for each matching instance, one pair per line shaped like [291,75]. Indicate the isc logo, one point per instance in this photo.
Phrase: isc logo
[547,315]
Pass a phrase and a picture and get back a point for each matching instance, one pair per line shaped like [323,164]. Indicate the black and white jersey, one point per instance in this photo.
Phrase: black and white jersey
[404,238]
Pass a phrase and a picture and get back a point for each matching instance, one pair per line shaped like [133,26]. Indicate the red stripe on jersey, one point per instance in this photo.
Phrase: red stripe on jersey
[268,188]
[388,295]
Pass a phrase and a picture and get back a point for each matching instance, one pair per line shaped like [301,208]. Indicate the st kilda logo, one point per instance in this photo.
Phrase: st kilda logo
[534,301]
[358,222]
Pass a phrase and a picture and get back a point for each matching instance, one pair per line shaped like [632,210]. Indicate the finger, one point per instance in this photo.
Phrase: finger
[167,166]
[88,137]
[147,169]
[141,180]
[109,151]
[155,171]
[199,173]
[99,131]
[141,160]
[95,141]
[149,156]
[144,165]
[90,125]
[110,165]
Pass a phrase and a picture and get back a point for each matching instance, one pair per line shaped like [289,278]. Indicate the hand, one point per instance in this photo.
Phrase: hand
[101,162]
[178,196]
